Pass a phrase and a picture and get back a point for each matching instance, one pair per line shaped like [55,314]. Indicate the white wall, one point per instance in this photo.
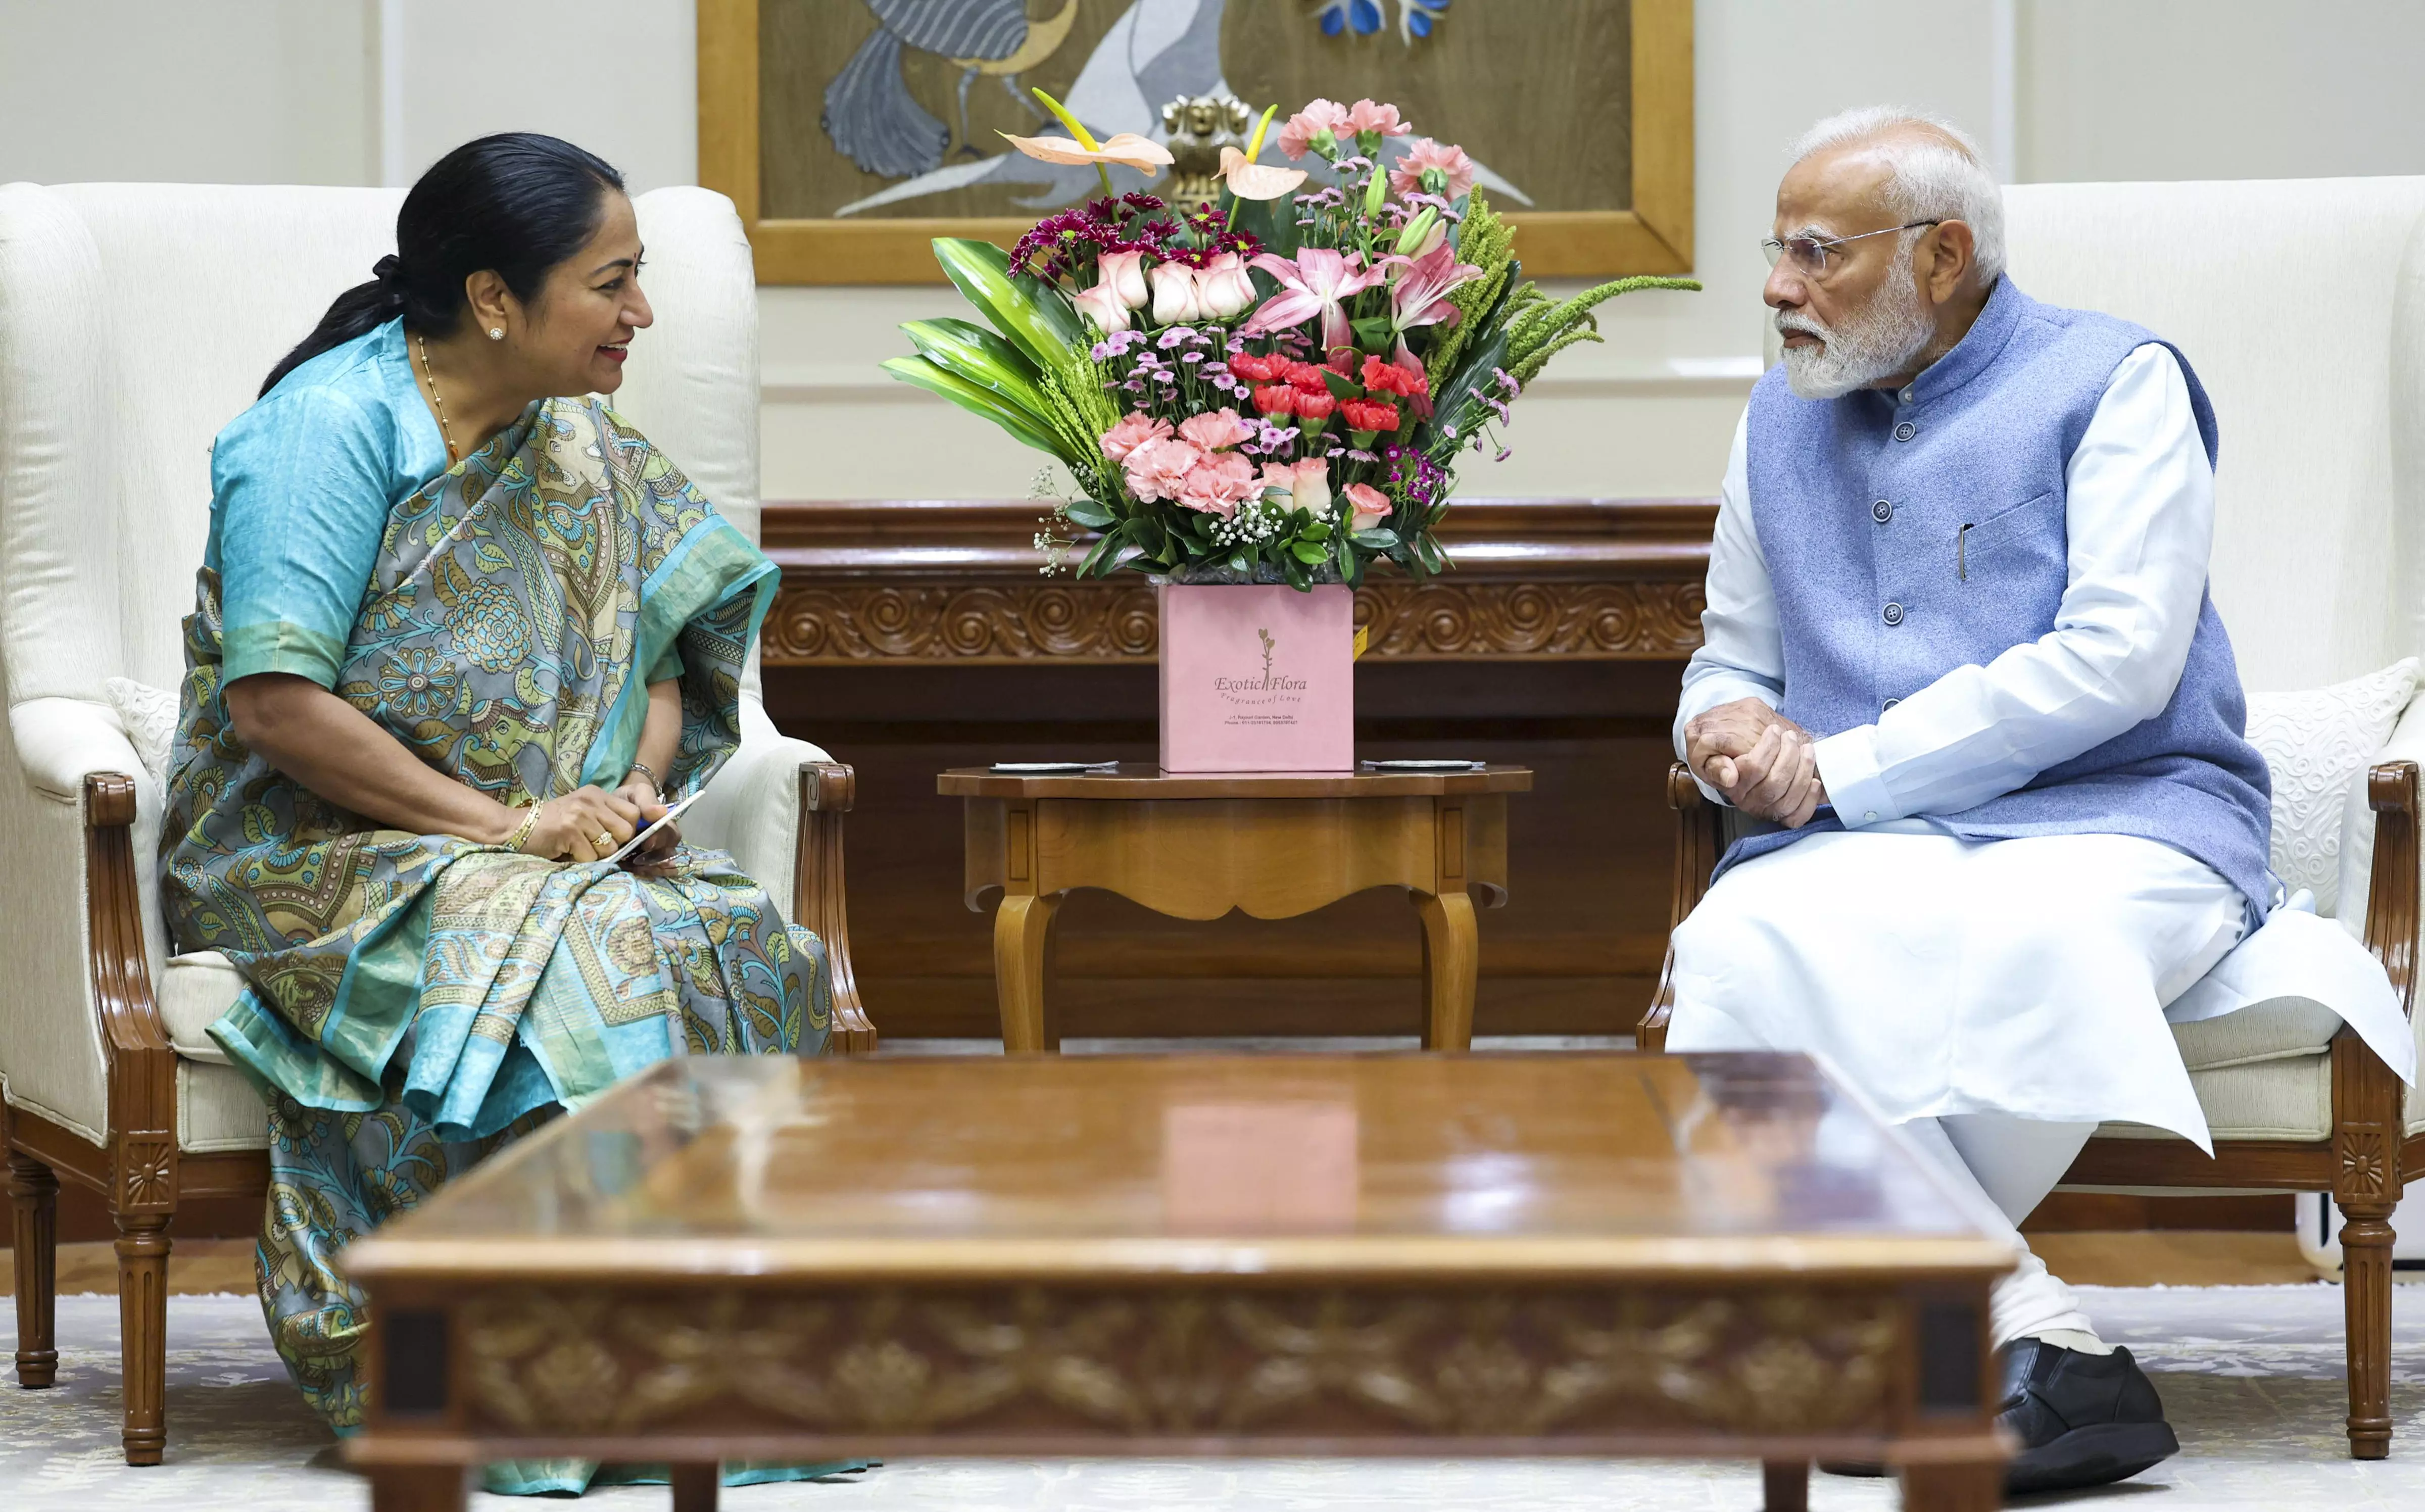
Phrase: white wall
[364,91]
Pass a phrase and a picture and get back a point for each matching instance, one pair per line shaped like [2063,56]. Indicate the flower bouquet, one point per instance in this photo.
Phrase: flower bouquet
[1271,387]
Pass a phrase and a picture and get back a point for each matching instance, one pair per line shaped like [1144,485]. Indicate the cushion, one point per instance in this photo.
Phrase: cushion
[149,717]
[193,991]
[218,1110]
[2260,1032]
[2283,1099]
[2318,744]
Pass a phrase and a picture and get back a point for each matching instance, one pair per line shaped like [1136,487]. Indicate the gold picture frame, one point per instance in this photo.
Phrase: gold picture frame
[1653,235]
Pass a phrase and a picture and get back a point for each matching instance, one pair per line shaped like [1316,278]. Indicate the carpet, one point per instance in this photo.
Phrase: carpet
[2251,1377]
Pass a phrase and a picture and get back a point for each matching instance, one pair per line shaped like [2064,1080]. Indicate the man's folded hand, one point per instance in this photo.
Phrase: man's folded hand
[1758,760]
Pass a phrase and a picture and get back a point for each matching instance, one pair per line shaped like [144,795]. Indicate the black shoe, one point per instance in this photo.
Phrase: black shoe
[2080,1420]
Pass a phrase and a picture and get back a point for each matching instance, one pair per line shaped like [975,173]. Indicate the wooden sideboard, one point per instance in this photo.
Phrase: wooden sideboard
[912,635]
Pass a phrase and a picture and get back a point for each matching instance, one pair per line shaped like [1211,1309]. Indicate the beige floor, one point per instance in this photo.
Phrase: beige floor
[2166,1257]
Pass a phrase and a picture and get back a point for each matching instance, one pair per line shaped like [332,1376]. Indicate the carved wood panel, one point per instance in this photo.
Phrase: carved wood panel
[1173,1361]
[816,624]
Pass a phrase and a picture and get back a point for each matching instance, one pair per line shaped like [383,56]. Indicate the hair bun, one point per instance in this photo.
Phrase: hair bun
[389,271]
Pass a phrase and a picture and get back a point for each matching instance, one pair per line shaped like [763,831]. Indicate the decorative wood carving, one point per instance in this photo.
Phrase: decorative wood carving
[1160,1361]
[826,624]
[827,791]
[958,581]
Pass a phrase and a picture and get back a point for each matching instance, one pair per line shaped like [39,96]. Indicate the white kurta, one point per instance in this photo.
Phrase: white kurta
[2025,977]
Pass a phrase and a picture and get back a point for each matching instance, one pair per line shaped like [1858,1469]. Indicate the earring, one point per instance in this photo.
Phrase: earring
[496,333]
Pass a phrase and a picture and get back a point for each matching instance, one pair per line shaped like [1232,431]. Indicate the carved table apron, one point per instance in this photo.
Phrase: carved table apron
[767,1259]
[1200,847]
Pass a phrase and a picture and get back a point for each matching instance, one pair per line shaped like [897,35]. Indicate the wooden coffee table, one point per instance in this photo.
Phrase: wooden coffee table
[1272,846]
[768,1259]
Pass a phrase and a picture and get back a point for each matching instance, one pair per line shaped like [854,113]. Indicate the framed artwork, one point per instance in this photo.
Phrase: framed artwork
[850,132]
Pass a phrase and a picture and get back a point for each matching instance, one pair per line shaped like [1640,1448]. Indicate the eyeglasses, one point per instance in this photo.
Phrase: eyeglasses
[1811,253]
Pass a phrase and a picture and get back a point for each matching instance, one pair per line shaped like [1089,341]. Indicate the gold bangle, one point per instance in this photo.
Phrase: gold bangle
[522,832]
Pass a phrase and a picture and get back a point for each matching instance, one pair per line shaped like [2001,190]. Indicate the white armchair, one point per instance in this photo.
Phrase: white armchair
[134,321]
[2301,305]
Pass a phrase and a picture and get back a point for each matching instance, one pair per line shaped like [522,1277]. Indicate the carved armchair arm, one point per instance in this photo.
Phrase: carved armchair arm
[142,1066]
[828,789]
[2391,899]
[1700,840]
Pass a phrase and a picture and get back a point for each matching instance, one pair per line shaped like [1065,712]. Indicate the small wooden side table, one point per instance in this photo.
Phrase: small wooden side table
[1196,846]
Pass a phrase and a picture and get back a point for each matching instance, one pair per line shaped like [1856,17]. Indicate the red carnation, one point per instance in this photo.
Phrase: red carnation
[1256,369]
[1307,379]
[1369,414]
[1380,375]
[1278,400]
[1315,406]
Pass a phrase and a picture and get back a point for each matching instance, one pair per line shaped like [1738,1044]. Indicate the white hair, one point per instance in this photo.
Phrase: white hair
[1935,177]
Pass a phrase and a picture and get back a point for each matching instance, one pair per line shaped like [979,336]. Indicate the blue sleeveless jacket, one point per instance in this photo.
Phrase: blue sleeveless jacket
[1876,604]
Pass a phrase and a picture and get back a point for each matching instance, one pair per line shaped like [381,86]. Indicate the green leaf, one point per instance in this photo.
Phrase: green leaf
[1350,563]
[1242,560]
[1341,387]
[1102,547]
[1033,316]
[1297,576]
[1319,530]
[1088,513]
[974,399]
[1373,333]
[983,358]
[1129,552]
[1377,539]
[1308,553]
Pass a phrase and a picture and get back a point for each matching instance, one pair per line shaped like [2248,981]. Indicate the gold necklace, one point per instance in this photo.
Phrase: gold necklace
[436,401]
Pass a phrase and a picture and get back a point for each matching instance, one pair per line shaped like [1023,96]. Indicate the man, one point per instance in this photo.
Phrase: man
[1961,664]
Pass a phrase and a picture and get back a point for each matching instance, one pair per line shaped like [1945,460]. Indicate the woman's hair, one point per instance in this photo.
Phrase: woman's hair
[517,203]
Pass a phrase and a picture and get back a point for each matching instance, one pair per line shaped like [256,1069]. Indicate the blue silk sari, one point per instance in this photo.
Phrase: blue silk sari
[414,1001]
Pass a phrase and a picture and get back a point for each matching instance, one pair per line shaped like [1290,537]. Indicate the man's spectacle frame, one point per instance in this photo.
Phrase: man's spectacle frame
[1811,253]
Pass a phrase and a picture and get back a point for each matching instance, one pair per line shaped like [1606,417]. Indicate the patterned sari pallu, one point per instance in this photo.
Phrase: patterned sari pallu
[413,1001]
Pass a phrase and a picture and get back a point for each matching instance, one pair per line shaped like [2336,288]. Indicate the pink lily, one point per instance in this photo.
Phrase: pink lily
[1317,282]
[1420,286]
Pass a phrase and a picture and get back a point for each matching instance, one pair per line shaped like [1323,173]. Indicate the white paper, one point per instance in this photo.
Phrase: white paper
[646,830]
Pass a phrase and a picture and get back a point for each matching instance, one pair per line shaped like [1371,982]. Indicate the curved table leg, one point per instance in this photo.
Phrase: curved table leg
[1452,960]
[1022,935]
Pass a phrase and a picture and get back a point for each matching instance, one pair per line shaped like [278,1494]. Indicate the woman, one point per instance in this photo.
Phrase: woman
[457,641]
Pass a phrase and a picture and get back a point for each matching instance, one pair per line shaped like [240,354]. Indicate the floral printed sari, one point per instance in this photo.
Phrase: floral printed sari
[413,1000]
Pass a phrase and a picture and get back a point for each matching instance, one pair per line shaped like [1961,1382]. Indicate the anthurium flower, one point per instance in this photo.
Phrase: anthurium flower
[1316,282]
[1250,180]
[1128,150]
[1420,286]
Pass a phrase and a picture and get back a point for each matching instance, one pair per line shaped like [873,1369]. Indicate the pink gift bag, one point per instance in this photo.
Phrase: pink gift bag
[1257,679]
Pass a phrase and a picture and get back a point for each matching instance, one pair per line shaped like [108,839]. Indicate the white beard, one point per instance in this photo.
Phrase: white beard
[1875,342]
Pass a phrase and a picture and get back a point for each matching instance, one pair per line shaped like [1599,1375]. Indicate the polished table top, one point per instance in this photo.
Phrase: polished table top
[1267,1166]
[1143,780]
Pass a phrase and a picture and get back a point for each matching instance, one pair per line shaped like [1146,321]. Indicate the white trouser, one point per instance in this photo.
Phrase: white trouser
[2014,1163]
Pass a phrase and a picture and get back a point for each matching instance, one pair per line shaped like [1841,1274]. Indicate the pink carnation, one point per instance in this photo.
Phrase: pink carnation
[1133,431]
[1422,152]
[1369,506]
[1212,431]
[1316,117]
[1365,116]
[1218,484]
[1157,468]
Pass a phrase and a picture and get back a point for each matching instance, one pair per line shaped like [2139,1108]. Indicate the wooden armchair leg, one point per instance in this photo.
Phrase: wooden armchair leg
[36,1235]
[143,1331]
[2366,1317]
[828,789]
